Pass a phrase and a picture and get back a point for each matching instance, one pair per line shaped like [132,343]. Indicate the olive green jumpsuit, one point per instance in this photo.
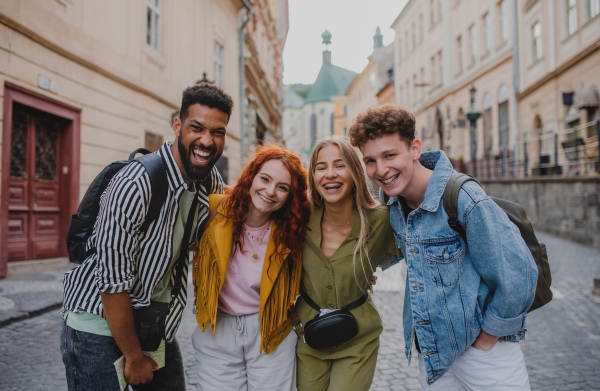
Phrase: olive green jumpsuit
[334,283]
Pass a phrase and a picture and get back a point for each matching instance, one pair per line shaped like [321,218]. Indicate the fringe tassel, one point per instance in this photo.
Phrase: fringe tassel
[285,290]
[207,280]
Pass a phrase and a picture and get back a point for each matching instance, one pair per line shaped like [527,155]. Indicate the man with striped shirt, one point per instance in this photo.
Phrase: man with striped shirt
[131,267]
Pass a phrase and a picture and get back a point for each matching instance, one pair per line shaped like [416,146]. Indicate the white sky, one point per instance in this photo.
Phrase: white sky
[352,24]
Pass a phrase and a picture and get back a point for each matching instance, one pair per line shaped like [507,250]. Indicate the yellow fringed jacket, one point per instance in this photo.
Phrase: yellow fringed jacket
[279,286]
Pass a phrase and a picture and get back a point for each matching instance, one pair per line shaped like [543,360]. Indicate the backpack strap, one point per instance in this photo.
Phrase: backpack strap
[450,200]
[155,167]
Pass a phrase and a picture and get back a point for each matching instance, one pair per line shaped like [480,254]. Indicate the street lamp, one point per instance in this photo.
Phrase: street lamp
[472,116]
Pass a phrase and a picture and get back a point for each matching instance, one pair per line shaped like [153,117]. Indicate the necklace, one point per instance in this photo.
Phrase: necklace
[258,238]
[339,225]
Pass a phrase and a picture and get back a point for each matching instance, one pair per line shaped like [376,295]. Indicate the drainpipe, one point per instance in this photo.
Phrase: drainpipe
[241,35]
[516,84]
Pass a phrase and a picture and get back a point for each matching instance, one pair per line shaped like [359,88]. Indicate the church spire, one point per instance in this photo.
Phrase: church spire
[377,39]
[327,52]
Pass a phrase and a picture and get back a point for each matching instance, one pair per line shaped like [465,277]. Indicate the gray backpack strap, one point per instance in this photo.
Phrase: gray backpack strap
[450,200]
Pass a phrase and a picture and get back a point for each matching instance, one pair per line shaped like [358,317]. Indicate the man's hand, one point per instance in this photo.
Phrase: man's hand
[139,371]
[484,341]
[119,316]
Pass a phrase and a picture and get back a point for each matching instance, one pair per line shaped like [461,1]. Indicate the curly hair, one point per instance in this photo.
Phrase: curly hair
[206,94]
[291,219]
[377,121]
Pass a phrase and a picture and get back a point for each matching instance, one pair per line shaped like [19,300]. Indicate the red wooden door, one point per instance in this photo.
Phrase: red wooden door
[34,204]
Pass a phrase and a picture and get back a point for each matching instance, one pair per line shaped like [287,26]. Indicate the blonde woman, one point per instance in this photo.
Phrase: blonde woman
[349,234]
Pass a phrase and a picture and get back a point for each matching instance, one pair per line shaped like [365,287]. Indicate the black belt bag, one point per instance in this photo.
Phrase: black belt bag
[331,329]
[150,324]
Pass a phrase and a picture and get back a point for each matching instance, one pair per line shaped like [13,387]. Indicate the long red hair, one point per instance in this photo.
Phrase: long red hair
[291,219]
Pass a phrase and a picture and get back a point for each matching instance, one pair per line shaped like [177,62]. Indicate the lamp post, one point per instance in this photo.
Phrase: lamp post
[472,116]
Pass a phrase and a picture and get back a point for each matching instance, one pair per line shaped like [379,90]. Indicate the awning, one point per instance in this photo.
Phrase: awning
[586,99]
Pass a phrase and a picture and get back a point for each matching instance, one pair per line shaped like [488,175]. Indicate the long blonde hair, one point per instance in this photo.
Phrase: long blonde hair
[363,199]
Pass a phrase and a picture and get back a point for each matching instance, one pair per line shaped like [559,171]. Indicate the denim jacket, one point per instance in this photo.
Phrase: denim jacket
[454,290]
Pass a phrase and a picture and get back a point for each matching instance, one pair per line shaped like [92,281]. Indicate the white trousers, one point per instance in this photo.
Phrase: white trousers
[502,368]
[230,360]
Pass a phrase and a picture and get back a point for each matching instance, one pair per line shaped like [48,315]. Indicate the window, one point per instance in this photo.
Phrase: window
[536,33]
[440,68]
[459,55]
[420,28]
[503,20]
[571,16]
[593,8]
[433,71]
[218,65]
[422,86]
[414,37]
[472,45]
[313,130]
[415,98]
[487,33]
[488,139]
[503,94]
[153,23]
[435,9]
[400,49]
[331,123]
[345,110]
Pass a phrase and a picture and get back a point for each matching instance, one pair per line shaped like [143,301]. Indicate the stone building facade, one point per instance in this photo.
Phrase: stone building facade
[531,68]
[85,83]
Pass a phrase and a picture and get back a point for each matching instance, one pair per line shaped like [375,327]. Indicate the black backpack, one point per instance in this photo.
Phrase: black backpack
[81,224]
[516,214]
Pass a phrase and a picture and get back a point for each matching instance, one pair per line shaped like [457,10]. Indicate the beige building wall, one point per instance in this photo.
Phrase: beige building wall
[97,54]
[441,49]
[568,61]
[122,81]
[340,115]
[362,93]
[386,95]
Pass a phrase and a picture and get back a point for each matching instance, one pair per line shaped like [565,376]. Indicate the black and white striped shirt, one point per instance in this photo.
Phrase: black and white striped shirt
[127,259]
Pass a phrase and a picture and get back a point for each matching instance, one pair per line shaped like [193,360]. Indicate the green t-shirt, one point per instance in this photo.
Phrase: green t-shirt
[95,324]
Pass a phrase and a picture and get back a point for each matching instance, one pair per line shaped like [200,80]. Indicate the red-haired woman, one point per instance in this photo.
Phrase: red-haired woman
[247,275]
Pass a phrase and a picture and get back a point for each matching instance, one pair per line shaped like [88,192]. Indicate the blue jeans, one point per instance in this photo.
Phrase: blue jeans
[89,363]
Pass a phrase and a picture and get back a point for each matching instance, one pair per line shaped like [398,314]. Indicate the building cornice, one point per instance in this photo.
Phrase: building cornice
[558,71]
[407,6]
[82,59]
[256,76]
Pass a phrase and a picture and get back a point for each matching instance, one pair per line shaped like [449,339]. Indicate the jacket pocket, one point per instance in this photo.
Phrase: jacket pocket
[443,260]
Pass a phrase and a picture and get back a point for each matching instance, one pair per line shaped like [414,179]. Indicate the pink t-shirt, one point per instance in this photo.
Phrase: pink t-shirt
[240,294]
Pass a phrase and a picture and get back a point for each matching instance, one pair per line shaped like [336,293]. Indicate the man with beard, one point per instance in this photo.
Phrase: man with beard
[132,267]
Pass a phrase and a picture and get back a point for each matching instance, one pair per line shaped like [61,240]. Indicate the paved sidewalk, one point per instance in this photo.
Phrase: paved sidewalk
[562,349]
[31,295]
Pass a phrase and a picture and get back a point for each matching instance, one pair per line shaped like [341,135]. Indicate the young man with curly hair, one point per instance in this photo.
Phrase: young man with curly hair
[464,305]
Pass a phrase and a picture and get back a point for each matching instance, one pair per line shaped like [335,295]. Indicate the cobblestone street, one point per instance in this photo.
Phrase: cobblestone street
[562,349]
